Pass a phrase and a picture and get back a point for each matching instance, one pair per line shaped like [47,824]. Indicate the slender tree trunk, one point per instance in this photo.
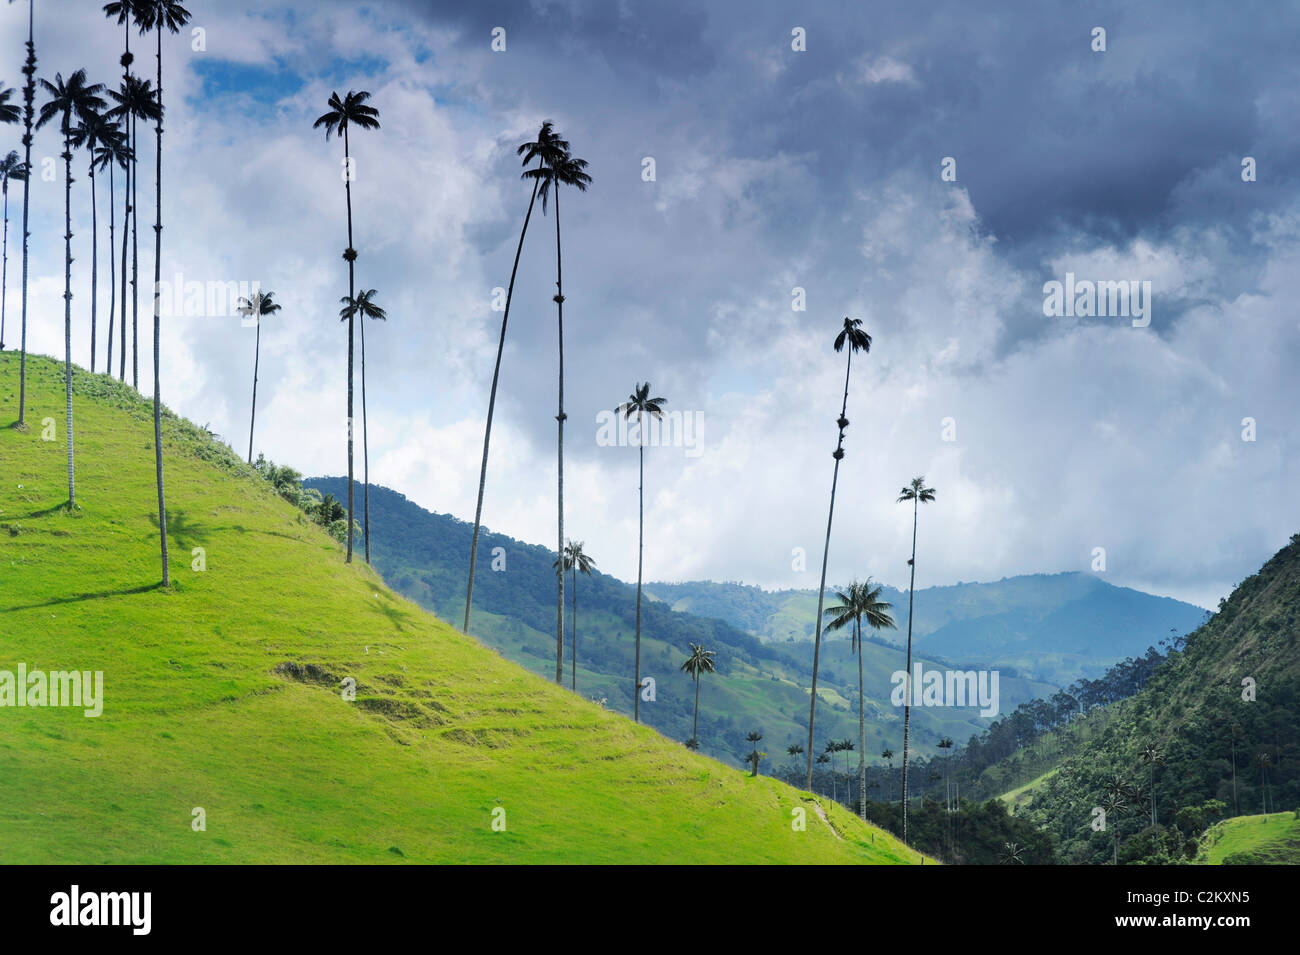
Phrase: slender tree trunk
[4,271]
[1235,810]
[135,269]
[573,661]
[559,422]
[365,446]
[862,731]
[352,292]
[94,263]
[112,265]
[695,723]
[826,553]
[67,301]
[257,356]
[29,95]
[492,401]
[640,553]
[128,208]
[907,678]
[157,330]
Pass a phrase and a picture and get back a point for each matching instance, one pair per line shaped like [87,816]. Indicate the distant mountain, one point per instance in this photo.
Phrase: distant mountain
[760,684]
[1054,628]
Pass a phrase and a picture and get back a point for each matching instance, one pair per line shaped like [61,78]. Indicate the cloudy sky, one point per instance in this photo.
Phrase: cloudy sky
[775,169]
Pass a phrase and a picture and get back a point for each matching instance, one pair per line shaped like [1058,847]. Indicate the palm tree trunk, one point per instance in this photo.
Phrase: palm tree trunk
[4,270]
[157,330]
[559,422]
[573,661]
[492,401]
[67,302]
[352,291]
[135,269]
[862,732]
[128,208]
[365,447]
[695,723]
[257,355]
[29,95]
[640,552]
[826,553]
[94,263]
[907,677]
[112,264]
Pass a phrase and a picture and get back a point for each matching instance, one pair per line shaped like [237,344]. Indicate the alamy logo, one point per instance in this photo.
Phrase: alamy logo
[133,909]
[1102,299]
[948,688]
[674,429]
[54,688]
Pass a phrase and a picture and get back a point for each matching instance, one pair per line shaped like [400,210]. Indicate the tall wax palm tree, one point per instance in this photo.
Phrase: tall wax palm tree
[1151,755]
[640,403]
[575,559]
[159,15]
[754,737]
[833,747]
[562,170]
[794,749]
[112,152]
[11,168]
[343,114]
[89,134]
[888,756]
[259,305]
[859,602]
[134,101]
[29,115]
[126,13]
[1115,803]
[857,339]
[542,149]
[74,98]
[363,307]
[918,494]
[945,744]
[822,760]
[697,664]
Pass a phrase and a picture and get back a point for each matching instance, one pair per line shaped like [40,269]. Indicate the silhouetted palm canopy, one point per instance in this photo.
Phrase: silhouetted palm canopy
[562,169]
[640,403]
[547,148]
[9,112]
[134,96]
[261,303]
[861,602]
[67,99]
[699,662]
[916,491]
[351,110]
[363,306]
[574,557]
[159,15]
[112,147]
[854,334]
[12,168]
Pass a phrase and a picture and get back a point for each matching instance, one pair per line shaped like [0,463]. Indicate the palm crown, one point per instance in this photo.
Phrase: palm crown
[559,169]
[73,97]
[699,662]
[158,15]
[860,603]
[917,491]
[351,110]
[261,303]
[112,147]
[9,112]
[640,403]
[854,334]
[574,556]
[12,167]
[134,97]
[362,306]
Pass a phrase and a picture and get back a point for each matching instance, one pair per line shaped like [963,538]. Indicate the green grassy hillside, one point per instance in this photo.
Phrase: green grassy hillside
[1252,840]
[224,693]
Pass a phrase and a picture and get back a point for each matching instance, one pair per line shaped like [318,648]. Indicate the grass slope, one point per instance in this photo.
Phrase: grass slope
[202,711]
[1252,840]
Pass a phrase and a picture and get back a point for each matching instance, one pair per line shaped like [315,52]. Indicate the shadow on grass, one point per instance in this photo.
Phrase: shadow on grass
[46,512]
[127,591]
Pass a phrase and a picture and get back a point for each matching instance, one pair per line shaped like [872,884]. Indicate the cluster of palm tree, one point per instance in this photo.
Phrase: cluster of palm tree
[108,134]
[861,602]
[556,167]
